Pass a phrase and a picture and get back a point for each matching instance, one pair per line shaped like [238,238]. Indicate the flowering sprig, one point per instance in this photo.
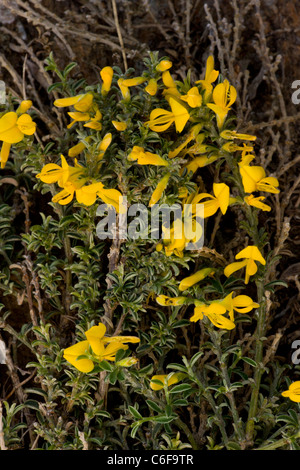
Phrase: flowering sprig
[14,126]
[97,348]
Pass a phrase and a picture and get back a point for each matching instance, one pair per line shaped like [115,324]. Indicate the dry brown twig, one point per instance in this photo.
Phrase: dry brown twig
[114,7]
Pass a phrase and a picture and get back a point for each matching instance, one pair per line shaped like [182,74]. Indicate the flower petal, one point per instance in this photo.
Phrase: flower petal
[180,113]
[221,191]
[251,252]
[73,352]
[231,268]
[26,124]
[5,149]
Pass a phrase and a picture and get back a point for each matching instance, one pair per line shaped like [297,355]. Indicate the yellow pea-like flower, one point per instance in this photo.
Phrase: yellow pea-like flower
[157,193]
[251,254]
[170,379]
[195,278]
[293,393]
[107,75]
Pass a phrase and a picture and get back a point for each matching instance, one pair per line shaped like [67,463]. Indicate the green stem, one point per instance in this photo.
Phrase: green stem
[226,380]
[261,322]
[260,332]
[216,411]
[282,442]
[208,395]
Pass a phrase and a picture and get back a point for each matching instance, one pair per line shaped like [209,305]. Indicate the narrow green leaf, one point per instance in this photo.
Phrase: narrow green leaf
[249,361]
[180,388]
[135,412]
[154,406]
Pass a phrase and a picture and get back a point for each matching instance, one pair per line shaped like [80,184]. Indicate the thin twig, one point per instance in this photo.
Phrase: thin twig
[114,6]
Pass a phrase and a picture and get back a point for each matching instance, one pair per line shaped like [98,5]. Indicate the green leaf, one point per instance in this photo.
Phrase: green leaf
[135,412]
[181,323]
[135,428]
[154,406]
[164,419]
[180,402]
[233,446]
[275,283]
[113,376]
[54,86]
[196,358]
[146,370]
[104,365]
[33,404]
[68,68]
[249,361]
[181,388]
[176,367]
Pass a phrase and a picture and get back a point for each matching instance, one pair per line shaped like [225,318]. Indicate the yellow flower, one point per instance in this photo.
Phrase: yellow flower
[151,88]
[96,336]
[200,162]
[120,126]
[171,88]
[257,202]
[246,158]
[97,347]
[173,301]
[24,106]
[163,65]
[69,178]
[251,254]
[214,312]
[133,81]
[88,194]
[231,147]
[195,278]
[157,193]
[70,188]
[73,181]
[85,194]
[193,97]
[254,179]
[293,393]
[112,197]
[224,95]
[211,76]
[168,80]
[145,158]
[228,135]
[106,74]
[77,116]
[72,354]
[13,129]
[191,135]
[176,238]
[240,303]
[124,89]
[103,146]
[94,122]
[199,147]
[220,200]
[169,380]
[53,173]
[81,103]
[125,83]
[161,119]
[76,149]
